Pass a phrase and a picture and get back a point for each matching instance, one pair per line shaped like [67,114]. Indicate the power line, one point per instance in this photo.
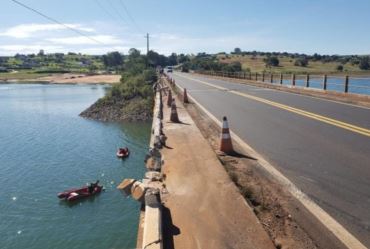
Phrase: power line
[130,16]
[106,11]
[117,12]
[57,22]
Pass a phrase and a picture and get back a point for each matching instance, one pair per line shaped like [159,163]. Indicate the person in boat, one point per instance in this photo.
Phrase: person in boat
[92,186]
[123,150]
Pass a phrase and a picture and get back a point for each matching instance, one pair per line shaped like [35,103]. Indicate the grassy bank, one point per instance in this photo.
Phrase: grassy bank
[131,99]
[287,65]
[21,75]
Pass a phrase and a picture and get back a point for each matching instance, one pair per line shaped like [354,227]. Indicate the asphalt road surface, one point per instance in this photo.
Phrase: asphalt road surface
[322,146]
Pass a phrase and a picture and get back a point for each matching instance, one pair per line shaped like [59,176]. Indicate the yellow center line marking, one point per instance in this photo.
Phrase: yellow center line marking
[327,120]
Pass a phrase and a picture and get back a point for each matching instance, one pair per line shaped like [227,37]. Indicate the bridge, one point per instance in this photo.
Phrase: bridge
[320,145]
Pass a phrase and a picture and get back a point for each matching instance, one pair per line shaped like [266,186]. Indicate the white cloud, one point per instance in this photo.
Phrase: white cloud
[167,43]
[104,50]
[28,49]
[82,40]
[29,30]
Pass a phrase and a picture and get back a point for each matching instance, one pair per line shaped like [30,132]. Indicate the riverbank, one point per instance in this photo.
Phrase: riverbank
[129,100]
[67,78]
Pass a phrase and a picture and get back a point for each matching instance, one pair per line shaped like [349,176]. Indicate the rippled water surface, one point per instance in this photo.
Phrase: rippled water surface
[45,147]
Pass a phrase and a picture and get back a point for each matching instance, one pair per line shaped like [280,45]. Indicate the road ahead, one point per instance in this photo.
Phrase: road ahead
[321,146]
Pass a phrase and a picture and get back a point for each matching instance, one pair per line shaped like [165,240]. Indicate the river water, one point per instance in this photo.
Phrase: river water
[45,147]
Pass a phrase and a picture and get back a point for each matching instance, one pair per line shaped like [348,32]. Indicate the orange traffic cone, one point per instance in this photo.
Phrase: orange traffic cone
[174,117]
[186,100]
[169,98]
[226,144]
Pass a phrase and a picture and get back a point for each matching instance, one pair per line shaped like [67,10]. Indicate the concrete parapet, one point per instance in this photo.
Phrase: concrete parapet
[138,191]
[153,176]
[152,236]
[125,186]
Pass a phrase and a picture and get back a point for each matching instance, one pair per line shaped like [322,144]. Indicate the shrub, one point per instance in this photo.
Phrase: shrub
[364,63]
[271,61]
[301,62]
[340,68]
[185,67]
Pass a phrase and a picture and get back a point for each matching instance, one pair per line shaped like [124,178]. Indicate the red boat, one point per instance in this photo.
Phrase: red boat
[123,152]
[79,193]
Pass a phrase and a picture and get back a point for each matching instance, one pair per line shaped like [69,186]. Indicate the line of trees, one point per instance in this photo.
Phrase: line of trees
[300,59]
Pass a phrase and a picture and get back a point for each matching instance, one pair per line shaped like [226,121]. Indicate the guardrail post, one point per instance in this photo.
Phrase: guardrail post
[346,81]
[281,79]
[293,79]
[263,77]
[256,76]
[325,81]
[307,80]
[272,78]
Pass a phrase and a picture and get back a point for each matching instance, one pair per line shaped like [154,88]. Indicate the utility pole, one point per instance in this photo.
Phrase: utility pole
[147,43]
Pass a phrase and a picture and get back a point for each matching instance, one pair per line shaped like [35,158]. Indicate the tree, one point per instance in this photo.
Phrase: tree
[92,68]
[155,59]
[237,51]
[301,62]
[41,53]
[113,59]
[364,63]
[172,59]
[316,57]
[185,67]
[340,68]
[271,61]
[133,53]
[182,58]
[3,60]
[232,67]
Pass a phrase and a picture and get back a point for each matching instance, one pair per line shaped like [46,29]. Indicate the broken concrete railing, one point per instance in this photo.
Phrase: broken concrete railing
[148,190]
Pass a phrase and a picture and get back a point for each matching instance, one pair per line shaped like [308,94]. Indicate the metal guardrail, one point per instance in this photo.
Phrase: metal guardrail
[346,84]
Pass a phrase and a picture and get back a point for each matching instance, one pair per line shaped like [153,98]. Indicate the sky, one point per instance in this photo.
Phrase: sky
[188,26]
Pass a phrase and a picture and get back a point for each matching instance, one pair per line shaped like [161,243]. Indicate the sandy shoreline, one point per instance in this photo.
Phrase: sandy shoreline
[70,79]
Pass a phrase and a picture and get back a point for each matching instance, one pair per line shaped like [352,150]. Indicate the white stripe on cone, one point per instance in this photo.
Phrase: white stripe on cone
[226,136]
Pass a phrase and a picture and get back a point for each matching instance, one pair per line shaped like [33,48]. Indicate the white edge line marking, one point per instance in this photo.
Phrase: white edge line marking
[282,91]
[329,222]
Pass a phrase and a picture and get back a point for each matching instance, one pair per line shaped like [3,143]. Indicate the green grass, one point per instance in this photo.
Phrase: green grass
[256,64]
[21,75]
